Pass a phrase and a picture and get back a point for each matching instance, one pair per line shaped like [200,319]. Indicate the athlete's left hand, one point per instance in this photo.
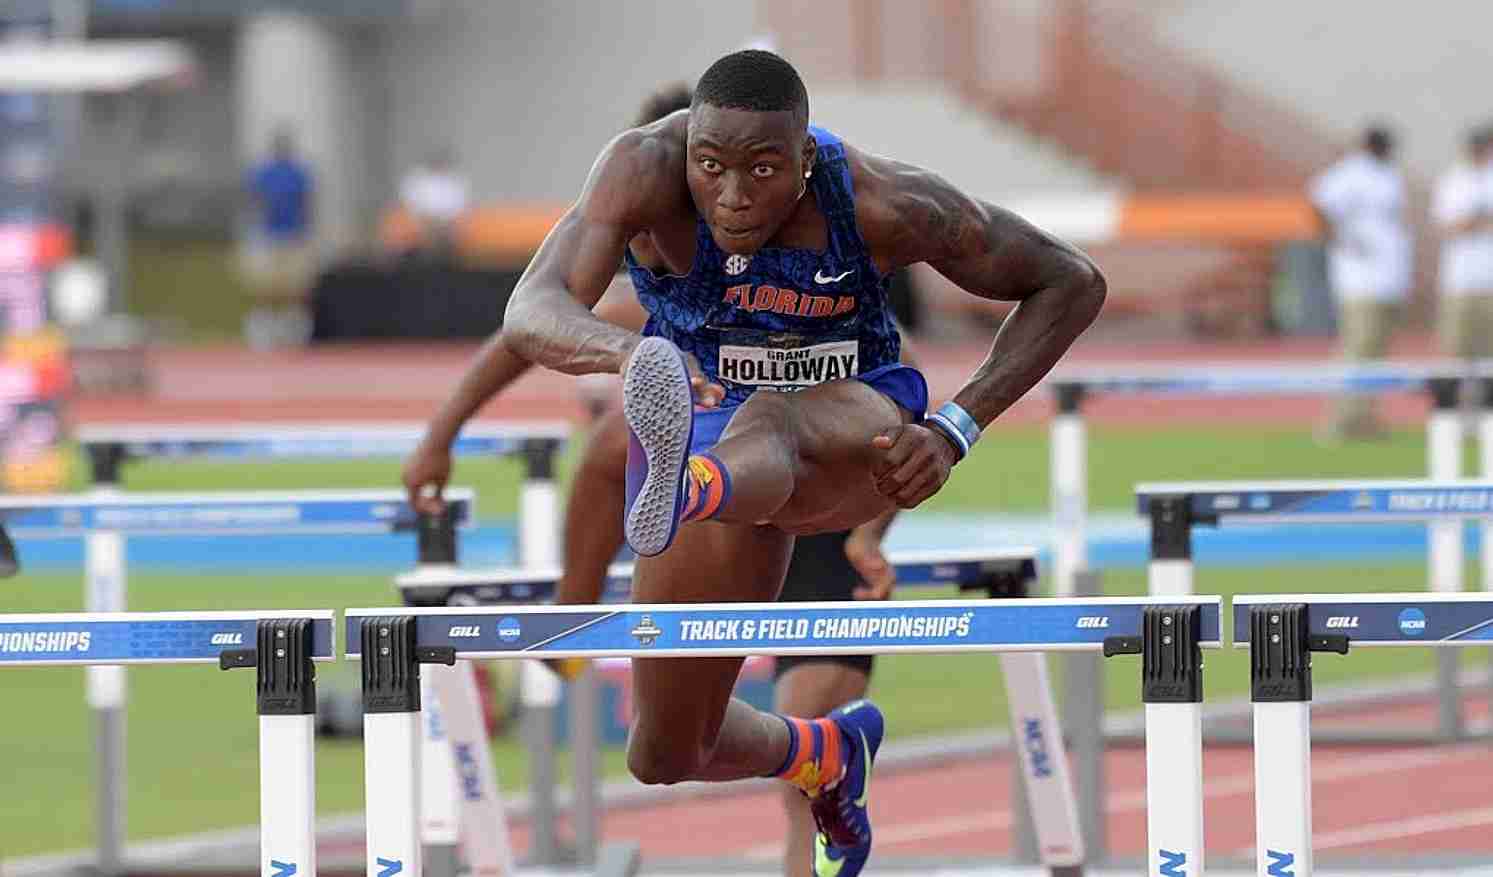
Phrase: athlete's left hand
[863,550]
[914,462]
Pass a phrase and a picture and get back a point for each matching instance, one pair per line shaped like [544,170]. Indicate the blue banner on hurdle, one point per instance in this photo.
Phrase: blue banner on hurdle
[1253,379]
[324,441]
[144,637]
[737,629]
[521,585]
[1384,619]
[348,511]
[1328,501]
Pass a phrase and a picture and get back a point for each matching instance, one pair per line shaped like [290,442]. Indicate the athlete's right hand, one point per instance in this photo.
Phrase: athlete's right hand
[425,475]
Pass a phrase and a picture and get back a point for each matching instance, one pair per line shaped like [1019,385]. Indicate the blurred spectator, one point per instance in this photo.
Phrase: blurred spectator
[434,193]
[1361,202]
[279,260]
[1463,212]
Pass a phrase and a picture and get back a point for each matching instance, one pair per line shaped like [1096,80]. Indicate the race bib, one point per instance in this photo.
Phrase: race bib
[789,368]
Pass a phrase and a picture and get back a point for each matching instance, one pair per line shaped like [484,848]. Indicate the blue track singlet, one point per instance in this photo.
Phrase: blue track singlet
[785,319]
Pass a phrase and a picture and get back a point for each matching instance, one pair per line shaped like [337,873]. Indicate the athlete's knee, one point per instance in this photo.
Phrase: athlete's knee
[660,759]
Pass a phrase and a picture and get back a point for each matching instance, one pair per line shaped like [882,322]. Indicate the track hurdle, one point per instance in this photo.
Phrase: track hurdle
[1168,632]
[1442,381]
[1281,632]
[1174,509]
[1051,828]
[106,520]
[279,646]
[538,443]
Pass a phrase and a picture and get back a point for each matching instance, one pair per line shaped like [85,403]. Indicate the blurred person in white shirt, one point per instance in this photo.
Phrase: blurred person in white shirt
[1463,213]
[436,195]
[1361,203]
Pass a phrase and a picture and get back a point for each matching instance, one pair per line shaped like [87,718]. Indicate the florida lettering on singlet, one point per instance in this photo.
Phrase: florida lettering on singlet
[783,318]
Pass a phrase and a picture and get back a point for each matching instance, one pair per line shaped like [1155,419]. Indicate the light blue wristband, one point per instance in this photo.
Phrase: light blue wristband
[953,421]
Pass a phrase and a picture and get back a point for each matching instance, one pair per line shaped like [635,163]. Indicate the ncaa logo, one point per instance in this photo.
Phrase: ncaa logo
[509,630]
[736,264]
[1412,622]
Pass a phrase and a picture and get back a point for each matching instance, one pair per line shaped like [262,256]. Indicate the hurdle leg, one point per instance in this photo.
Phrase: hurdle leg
[1280,687]
[1038,739]
[1444,449]
[105,575]
[287,748]
[1172,692]
[440,793]
[1069,466]
[1170,572]
[391,746]
[540,689]
[482,820]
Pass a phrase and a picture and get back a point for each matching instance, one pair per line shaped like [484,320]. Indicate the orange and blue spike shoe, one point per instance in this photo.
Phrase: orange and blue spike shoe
[659,407]
[843,843]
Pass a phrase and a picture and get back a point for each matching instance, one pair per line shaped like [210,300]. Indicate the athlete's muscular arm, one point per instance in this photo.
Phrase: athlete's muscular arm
[549,320]
[995,254]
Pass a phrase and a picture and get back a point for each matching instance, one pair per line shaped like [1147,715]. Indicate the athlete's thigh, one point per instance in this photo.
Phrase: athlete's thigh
[831,426]
[709,562]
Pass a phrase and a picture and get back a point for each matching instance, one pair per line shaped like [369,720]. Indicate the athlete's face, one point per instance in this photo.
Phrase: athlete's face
[746,172]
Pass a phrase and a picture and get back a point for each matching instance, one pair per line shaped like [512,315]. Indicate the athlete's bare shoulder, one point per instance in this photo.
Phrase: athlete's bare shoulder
[908,214]
[638,180]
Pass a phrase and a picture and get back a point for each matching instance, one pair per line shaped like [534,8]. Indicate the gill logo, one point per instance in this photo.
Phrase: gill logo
[282,869]
[1280,864]
[390,866]
[1172,864]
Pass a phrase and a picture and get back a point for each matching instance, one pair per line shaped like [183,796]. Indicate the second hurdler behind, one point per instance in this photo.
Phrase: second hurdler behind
[772,243]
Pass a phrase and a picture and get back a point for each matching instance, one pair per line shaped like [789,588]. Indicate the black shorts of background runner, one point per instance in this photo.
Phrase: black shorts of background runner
[819,571]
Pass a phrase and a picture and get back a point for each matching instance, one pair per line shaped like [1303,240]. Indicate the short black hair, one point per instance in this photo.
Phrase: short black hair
[666,101]
[753,79]
[1481,137]
[1379,140]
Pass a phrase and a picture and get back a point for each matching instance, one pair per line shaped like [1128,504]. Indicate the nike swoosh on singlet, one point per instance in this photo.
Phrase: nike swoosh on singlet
[820,278]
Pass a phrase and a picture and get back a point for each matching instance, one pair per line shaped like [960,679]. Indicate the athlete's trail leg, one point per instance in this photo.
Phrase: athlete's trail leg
[687,725]
[811,689]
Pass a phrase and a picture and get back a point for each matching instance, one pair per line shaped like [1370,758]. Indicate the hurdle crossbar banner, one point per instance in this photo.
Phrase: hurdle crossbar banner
[1232,379]
[1326,501]
[743,629]
[82,638]
[236,513]
[279,646]
[332,440]
[1371,620]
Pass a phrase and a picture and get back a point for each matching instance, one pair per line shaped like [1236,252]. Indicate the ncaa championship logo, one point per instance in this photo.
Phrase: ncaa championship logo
[509,630]
[1412,622]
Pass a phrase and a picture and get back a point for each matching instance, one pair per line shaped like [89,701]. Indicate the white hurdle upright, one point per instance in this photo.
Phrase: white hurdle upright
[280,646]
[1174,509]
[1168,632]
[105,518]
[1281,632]
[1440,380]
[1042,764]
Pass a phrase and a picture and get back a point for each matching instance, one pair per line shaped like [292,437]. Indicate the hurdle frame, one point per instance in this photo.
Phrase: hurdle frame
[1116,626]
[1282,631]
[109,447]
[1174,509]
[1068,435]
[104,517]
[285,647]
[1056,838]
